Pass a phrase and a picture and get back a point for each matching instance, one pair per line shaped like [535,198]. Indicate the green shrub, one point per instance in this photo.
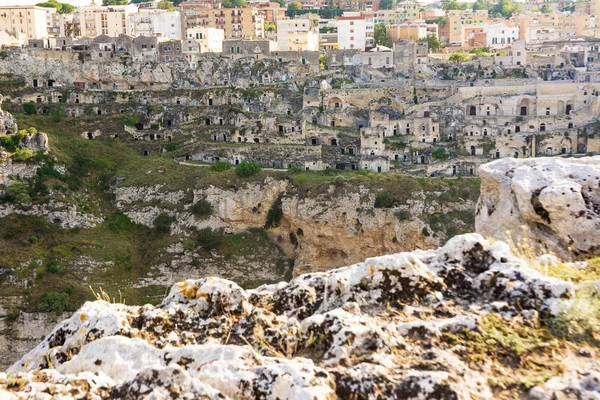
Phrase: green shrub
[23,155]
[53,302]
[209,239]
[221,166]
[130,121]
[162,223]
[33,238]
[202,209]
[425,232]
[275,214]
[18,192]
[384,200]
[119,222]
[29,108]
[247,168]
[53,268]
[171,146]
[440,154]
[403,215]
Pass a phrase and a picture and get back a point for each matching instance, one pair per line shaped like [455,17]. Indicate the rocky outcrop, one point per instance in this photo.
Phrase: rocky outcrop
[35,142]
[370,330]
[553,202]
[8,123]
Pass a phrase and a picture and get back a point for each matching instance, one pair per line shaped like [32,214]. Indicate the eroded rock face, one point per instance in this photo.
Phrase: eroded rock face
[364,331]
[556,200]
[35,142]
[8,123]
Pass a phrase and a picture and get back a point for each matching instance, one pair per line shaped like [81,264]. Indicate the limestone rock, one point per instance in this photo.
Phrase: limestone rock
[35,142]
[556,200]
[352,331]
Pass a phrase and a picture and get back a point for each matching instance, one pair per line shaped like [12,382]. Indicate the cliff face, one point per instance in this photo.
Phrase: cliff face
[387,327]
[325,226]
[553,202]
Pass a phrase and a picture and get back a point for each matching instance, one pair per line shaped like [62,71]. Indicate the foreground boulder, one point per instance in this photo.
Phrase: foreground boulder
[390,327]
[553,201]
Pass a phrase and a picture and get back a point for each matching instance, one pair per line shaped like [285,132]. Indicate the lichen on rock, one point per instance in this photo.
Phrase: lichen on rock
[376,329]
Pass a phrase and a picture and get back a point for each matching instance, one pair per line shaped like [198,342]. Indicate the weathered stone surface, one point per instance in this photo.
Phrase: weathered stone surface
[556,200]
[353,330]
[35,142]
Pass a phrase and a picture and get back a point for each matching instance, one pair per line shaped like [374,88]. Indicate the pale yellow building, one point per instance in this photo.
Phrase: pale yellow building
[460,21]
[26,22]
[105,20]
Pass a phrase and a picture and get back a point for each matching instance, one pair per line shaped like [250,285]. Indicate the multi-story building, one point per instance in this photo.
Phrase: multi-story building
[460,21]
[298,34]
[272,11]
[352,31]
[155,22]
[27,22]
[407,30]
[244,22]
[541,27]
[105,20]
[500,35]
[209,39]
[404,11]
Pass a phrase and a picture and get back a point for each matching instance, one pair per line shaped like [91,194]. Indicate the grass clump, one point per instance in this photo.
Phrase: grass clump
[580,322]
[247,168]
[202,209]
[521,356]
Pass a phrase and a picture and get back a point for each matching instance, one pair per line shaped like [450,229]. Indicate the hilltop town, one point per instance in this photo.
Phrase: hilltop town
[425,89]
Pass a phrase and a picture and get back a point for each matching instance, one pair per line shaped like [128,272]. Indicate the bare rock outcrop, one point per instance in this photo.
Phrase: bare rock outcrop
[554,202]
[370,330]
[8,123]
[35,142]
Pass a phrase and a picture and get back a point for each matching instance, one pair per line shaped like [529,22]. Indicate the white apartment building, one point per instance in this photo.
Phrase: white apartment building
[26,22]
[155,22]
[499,36]
[298,34]
[210,39]
[105,20]
[352,31]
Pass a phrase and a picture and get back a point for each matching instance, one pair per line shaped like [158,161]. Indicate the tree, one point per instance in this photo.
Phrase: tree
[545,9]
[454,5]
[432,42]
[280,2]
[381,37]
[387,4]
[233,3]
[62,8]
[481,5]
[166,5]
[458,58]
[270,27]
[295,6]
[504,9]
[115,2]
